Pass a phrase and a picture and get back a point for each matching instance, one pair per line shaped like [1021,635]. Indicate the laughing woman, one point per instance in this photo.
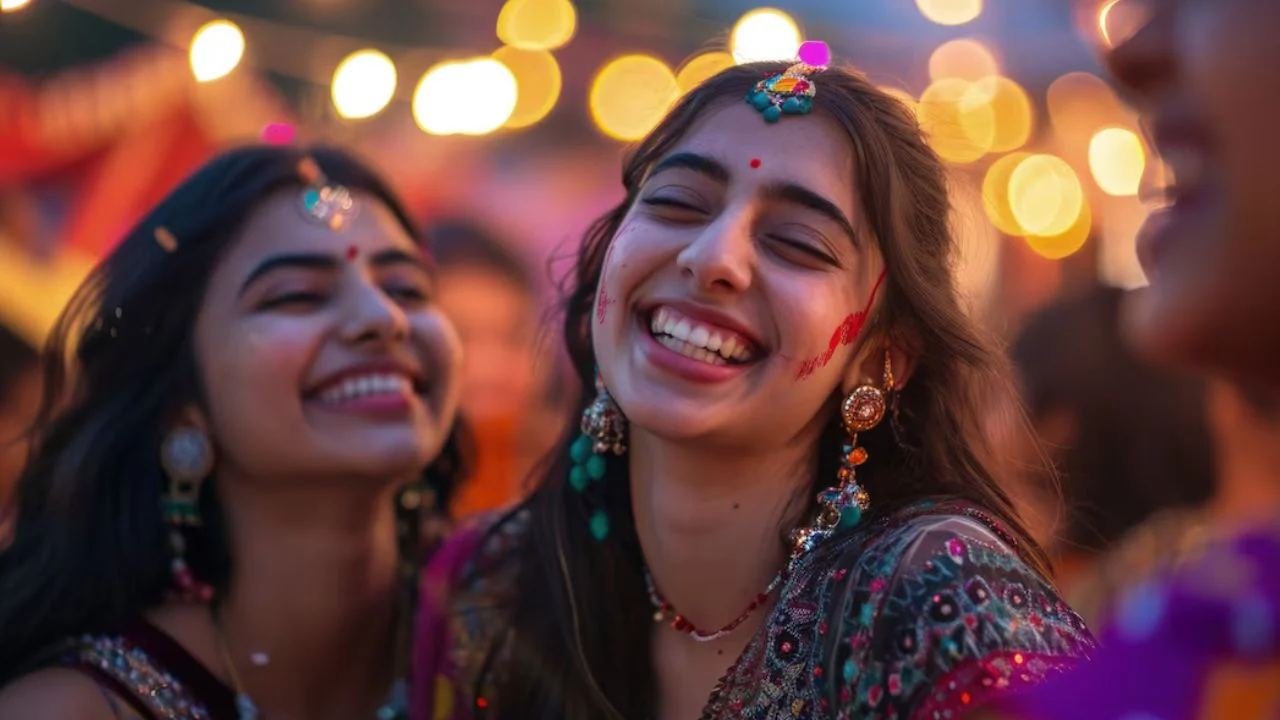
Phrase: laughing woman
[778,504]
[219,519]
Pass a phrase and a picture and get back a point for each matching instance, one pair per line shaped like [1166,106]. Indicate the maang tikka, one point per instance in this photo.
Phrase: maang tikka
[792,91]
[843,505]
[604,433]
[324,202]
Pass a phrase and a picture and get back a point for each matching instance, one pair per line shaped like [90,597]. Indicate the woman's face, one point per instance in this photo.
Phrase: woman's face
[322,352]
[1204,76]
[732,277]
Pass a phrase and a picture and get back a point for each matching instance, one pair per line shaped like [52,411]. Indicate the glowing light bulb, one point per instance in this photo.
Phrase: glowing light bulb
[216,50]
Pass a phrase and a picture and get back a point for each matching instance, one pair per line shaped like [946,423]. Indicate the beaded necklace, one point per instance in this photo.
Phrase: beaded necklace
[663,610]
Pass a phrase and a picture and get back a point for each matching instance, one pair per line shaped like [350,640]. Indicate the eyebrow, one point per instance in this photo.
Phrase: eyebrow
[320,261]
[785,191]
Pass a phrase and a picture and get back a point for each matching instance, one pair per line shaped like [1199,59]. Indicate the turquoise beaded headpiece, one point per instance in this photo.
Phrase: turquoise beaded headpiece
[791,92]
[323,202]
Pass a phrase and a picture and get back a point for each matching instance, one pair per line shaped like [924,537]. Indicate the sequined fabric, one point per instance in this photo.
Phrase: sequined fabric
[923,614]
[162,694]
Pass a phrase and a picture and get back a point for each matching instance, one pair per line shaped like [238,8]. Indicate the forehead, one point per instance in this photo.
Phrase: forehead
[810,150]
[278,225]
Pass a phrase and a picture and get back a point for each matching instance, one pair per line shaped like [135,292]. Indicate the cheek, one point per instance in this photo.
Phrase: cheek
[614,268]
[255,379]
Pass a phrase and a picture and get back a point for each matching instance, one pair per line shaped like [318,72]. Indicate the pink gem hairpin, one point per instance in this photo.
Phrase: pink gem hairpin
[792,91]
[323,202]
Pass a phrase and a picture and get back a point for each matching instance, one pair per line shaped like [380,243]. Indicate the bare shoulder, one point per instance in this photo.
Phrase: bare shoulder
[61,694]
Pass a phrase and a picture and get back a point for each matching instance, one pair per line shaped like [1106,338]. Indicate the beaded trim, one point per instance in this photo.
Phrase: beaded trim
[162,694]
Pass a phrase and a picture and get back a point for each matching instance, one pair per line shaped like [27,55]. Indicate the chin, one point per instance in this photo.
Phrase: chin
[1168,327]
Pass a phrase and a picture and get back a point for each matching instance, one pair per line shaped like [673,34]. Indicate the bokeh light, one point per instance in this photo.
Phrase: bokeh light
[538,83]
[630,95]
[363,84]
[13,5]
[960,124]
[950,12]
[764,34]
[1045,195]
[1067,242]
[537,24]
[1011,112]
[702,67]
[472,97]
[1117,21]
[216,50]
[995,194]
[1117,161]
[964,58]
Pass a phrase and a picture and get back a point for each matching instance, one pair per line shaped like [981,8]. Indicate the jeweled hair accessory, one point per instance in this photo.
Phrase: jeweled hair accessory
[324,202]
[792,91]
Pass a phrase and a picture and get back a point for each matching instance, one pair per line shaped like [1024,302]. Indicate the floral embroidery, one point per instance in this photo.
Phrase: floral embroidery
[162,693]
[923,614]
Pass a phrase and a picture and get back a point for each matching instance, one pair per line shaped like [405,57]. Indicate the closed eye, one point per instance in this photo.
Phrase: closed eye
[671,205]
[292,300]
[791,248]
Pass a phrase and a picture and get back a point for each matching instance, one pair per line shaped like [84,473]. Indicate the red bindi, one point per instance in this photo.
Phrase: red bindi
[352,252]
[755,163]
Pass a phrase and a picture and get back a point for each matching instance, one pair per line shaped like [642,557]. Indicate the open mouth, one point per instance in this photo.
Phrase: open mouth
[698,340]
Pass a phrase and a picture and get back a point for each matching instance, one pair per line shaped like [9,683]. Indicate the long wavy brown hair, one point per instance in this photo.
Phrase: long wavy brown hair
[576,621]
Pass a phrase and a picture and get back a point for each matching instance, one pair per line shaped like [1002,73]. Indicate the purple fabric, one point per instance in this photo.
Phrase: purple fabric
[431,641]
[1166,636]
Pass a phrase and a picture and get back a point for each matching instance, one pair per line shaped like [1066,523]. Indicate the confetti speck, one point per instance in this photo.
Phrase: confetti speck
[166,240]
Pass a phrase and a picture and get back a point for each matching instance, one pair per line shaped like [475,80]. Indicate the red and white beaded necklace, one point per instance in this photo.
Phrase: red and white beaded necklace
[663,611]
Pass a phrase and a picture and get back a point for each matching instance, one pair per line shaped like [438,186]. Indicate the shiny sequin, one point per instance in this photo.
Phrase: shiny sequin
[162,693]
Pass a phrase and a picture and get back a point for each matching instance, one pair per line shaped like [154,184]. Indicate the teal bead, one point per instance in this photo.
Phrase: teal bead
[599,525]
[310,198]
[848,671]
[791,106]
[595,467]
[761,100]
[806,105]
[581,449]
[849,516]
[578,478]
[772,113]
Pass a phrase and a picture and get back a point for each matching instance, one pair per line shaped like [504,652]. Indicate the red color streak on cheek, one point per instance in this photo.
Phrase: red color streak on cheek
[603,301]
[844,334]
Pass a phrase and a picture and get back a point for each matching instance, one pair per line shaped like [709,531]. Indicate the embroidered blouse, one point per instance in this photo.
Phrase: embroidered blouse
[923,614]
[151,673]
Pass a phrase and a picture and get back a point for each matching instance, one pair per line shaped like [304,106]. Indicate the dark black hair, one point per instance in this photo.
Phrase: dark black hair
[1141,438]
[89,548]
[17,358]
[575,639]
[467,243]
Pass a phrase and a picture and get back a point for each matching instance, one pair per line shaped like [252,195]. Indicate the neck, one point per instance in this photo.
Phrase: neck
[1248,453]
[710,523]
[314,588]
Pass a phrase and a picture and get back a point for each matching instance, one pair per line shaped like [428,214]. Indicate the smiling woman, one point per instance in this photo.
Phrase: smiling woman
[248,405]
[781,459]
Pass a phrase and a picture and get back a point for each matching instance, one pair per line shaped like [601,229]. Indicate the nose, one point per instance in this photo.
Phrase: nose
[723,255]
[1142,61]
[372,316]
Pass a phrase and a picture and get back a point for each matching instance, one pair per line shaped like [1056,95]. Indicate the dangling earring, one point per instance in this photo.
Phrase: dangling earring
[842,506]
[604,431]
[187,459]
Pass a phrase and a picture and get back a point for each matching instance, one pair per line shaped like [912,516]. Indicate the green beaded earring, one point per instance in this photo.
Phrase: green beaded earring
[603,432]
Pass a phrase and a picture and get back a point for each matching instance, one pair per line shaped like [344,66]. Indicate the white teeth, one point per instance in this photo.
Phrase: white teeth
[702,342]
[367,385]
[691,351]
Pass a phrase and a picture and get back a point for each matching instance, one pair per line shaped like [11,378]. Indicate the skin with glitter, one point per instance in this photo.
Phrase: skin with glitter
[844,334]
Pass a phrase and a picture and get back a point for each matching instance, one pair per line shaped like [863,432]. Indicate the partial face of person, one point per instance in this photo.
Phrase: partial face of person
[322,352]
[496,321]
[724,305]
[1205,77]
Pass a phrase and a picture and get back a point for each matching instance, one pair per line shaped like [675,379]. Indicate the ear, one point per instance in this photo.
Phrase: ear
[868,366]
[191,416]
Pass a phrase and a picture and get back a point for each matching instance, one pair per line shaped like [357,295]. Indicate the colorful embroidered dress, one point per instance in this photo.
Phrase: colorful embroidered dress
[152,674]
[923,614]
